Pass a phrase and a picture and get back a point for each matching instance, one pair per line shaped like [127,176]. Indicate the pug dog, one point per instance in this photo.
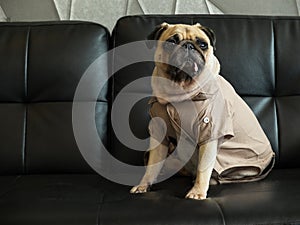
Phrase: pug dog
[230,144]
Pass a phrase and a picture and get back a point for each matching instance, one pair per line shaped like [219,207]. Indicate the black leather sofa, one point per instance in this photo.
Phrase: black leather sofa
[44,178]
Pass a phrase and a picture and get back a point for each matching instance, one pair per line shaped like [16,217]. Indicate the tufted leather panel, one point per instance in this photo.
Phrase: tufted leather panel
[13,54]
[287,34]
[41,65]
[12,117]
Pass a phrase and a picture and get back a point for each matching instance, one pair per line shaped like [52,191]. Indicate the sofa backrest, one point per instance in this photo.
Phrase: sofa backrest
[41,65]
[258,57]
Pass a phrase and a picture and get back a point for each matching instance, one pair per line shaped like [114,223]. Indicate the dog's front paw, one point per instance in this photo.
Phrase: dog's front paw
[196,193]
[139,189]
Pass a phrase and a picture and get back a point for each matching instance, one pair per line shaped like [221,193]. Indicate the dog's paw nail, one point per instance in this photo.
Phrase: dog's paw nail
[139,189]
[196,196]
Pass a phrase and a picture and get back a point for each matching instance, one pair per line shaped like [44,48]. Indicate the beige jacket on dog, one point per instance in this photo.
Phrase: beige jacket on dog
[220,114]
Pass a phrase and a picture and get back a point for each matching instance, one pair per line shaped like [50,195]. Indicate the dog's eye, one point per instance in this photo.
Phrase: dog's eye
[202,44]
[172,41]
[170,44]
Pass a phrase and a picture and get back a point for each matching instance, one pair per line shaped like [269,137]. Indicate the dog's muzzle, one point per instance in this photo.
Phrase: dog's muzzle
[185,62]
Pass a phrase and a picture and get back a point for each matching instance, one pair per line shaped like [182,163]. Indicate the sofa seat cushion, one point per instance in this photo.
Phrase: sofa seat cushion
[51,199]
[91,199]
[275,200]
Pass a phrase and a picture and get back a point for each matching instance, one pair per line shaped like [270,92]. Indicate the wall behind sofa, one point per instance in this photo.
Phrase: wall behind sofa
[107,12]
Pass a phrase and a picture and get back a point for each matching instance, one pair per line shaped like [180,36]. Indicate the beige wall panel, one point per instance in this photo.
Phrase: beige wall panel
[100,11]
[134,8]
[158,6]
[2,15]
[63,8]
[257,7]
[29,10]
[191,7]
[212,9]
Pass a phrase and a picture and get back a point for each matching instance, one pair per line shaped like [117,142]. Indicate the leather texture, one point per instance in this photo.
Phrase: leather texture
[45,180]
[41,65]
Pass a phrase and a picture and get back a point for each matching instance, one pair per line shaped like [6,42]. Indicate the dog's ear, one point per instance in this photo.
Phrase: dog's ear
[210,34]
[156,33]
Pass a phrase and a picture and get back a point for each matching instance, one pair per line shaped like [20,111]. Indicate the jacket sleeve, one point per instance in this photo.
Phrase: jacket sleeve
[160,127]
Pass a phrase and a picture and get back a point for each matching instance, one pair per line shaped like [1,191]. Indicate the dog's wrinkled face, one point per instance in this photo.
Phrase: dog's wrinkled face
[182,51]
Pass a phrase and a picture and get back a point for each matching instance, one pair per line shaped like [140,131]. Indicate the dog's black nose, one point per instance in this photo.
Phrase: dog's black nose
[188,46]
